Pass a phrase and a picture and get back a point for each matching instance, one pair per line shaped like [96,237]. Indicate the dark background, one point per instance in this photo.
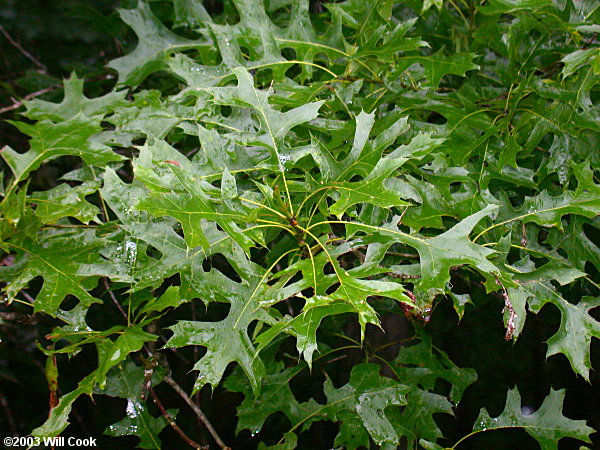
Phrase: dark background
[82,36]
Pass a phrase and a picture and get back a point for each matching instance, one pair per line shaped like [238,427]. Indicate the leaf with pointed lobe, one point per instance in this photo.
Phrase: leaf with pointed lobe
[547,210]
[138,422]
[74,103]
[351,289]
[275,396]
[440,253]
[50,140]
[65,201]
[436,66]
[361,405]
[275,125]
[227,340]
[131,340]
[155,42]
[547,425]
[304,326]
[67,261]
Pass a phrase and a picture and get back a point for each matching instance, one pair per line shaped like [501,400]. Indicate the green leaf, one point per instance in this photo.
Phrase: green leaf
[169,299]
[138,422]
[548,210]
[275,395]
[373,188]
[362,403]
[440,253]
[510,6]
[417,418]
[350,289]
[227,340]
[65,201]
[429,365]
[50,140]
[313,167]
[304,326]
[576,330]
[436,66]
[112,354]
[275,125]
[193,207]
[429,3]
[126,380]
[67,262]
[578,59]
[59,416]
[547,425]
[155,42]
[290,443]
[576,243]
[74,103]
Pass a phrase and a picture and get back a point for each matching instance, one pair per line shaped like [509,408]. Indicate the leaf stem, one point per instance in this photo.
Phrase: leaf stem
[260,205]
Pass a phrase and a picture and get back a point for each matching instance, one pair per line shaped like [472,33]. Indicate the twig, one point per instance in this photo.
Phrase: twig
[403,255]
[56,225]
[171,382]
[28,297]
[27,319]
[173,350]
[198,402]
[114,299]
[171,421]
[18,104]
[18,46]
[35,94]
[191,152]
[403,276]
[9,416]
[512,315]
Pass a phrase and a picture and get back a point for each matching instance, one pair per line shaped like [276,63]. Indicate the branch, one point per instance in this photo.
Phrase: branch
[114,299]
[9,416]
[18,104]
[171,421]
[22,50]
[512,315]
[197,410]
[27,319]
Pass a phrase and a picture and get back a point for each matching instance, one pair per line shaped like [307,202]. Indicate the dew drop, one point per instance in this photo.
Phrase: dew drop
[527,410]
[132,408]
[284,158]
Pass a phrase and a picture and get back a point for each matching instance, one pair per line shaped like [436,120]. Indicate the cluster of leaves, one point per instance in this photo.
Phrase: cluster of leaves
[303,166]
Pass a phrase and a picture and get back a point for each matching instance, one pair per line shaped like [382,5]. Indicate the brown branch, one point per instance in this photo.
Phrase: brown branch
[171,382]
[28,297]
[403,276]
[18,104]
[27,319]
[25,53]
[403,255]
[114,299]
[171,421]
[512,315]
[9,416]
